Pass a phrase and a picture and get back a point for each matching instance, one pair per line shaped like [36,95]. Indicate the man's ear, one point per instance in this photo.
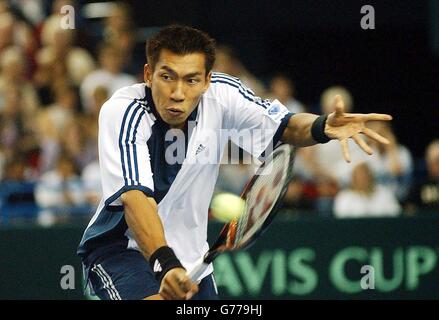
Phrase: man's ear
[147,75]
[208,78]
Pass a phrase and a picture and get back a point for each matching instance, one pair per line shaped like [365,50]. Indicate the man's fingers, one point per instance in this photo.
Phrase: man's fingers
[363,145]
[190,287]
[174,287]
[192,292]
[377,116]
[165,293]
[169,293]
[338,105]
[373,135]
[345,150]
[185,283]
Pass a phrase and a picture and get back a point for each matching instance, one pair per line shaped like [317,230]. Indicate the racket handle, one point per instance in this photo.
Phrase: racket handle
[196,272]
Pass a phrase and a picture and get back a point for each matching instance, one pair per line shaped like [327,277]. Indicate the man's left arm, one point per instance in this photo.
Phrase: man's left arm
[298,130]
[305,129]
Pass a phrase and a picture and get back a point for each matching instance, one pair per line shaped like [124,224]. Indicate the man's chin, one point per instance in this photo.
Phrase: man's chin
[175,123]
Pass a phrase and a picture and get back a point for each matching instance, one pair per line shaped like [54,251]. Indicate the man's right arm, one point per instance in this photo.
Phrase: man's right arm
[144,222]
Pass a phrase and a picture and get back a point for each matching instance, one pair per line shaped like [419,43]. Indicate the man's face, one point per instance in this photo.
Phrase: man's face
[177,83]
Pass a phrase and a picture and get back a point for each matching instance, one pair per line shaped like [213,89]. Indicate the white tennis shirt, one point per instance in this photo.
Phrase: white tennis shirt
[136,151]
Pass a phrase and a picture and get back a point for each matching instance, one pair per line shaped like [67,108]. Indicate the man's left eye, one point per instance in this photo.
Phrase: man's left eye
[193,81]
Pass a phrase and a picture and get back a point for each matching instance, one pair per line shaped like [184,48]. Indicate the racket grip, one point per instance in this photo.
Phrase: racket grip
[196,272]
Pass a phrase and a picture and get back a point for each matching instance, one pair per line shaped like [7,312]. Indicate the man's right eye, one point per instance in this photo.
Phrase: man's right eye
[166,77]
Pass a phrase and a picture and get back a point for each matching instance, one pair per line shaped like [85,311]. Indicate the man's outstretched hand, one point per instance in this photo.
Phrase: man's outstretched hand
[342,126]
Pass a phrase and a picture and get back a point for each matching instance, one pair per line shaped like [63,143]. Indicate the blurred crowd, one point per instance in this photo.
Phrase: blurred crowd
[53,82]
[389,183]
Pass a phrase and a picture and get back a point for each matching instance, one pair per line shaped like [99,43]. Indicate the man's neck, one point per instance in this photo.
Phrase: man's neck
[178,126]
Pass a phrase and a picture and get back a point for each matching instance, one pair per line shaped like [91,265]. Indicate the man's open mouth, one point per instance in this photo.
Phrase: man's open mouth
[174,111]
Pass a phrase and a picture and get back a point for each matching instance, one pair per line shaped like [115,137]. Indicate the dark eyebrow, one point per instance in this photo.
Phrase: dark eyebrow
[190,75]
[193,74]
[166,68]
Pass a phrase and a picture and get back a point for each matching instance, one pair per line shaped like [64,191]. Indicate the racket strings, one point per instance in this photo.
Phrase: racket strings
[262,197]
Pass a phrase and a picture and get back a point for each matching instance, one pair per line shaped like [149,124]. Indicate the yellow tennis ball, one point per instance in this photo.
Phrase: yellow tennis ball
[227,206]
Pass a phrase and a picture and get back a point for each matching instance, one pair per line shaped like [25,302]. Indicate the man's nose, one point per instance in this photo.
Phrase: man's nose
[178,92]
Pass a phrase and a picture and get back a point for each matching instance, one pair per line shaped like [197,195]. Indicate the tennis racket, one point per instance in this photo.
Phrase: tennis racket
[263,196]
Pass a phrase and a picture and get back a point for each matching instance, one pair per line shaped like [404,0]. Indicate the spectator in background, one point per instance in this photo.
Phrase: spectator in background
[119,31]
[391,164]
[425,193]
[100,95]
[32,11]
[75,144]
[227,62]
[16,190]
[15,169]
[12,73]
[365,198]
[300,196]
[90,120]
[49,141]
[2,162]
[58,191]
[118,22]
[77,61]
[15,32]
[110,75]
[73,140]
[59,46]
[53,122]
[51,22]
[323,164]
[50,73]
[91,181]
[63,109]
[43,78]
[91,175]
[6,30]
[17,130]
[282,88]
[12,119]
[4,6]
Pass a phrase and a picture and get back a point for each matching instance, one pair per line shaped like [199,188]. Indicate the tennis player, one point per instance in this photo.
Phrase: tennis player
[151,224]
